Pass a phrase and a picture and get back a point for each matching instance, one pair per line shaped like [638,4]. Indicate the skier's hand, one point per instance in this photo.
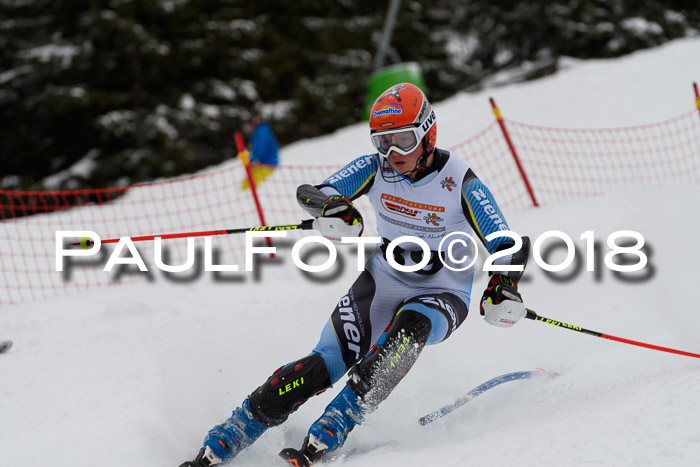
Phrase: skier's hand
[340,206]
[339,218]
[501,304]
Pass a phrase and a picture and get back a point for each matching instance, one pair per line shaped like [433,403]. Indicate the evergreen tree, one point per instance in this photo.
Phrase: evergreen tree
[113,92]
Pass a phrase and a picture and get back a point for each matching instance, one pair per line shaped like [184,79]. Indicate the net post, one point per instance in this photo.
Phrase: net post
[509,142]
[243,155]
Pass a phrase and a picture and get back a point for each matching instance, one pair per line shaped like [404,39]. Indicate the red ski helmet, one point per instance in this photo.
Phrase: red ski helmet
[401,118]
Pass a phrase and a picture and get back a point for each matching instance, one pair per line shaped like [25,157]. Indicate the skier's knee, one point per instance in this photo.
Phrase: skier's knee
[411,323]
[288,388]
[445,312]
[329,348]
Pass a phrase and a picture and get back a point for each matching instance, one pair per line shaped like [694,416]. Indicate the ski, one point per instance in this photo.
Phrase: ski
[294,457]
[518,375]
[5,346]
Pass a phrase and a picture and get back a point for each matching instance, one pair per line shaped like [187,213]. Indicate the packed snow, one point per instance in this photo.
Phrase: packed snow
[136,375]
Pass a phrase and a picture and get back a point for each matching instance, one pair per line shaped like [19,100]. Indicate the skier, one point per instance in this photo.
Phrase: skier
[379,328]
[264,156]
[264,144]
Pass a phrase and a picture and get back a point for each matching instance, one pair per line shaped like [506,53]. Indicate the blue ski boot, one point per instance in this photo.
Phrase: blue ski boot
[329,432]
[225,441]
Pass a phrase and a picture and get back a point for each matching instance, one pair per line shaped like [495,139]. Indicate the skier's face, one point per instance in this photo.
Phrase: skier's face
[405,164]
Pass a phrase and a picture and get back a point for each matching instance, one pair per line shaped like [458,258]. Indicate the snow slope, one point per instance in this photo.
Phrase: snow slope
[136,375]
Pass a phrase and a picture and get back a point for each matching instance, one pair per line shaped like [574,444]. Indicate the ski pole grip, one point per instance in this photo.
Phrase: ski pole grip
[531,314]
[307,224]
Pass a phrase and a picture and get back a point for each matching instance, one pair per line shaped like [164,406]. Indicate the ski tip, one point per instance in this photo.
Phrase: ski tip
[294,457]
[547,373]
[5,346]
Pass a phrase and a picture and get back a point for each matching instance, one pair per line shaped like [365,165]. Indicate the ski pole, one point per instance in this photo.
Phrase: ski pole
[532,315]
[307,224]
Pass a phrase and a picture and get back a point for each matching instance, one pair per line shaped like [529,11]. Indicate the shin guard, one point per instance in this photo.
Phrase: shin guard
[376,375]
[288,388]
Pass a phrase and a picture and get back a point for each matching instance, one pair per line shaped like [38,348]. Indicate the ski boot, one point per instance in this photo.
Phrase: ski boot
[329,432]
[311,452]
[205,458]
[225,441]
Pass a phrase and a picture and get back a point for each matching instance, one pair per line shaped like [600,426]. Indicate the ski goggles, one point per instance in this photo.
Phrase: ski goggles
[402,140]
